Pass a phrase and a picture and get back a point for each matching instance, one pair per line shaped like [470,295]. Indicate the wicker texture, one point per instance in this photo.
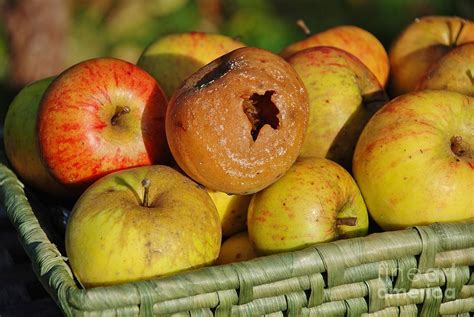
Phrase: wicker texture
[423,271]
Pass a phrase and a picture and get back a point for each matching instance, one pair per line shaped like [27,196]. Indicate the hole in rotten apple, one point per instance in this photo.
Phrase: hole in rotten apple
[260,110]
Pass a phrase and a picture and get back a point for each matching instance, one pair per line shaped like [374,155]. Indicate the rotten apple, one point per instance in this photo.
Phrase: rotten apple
[237,124]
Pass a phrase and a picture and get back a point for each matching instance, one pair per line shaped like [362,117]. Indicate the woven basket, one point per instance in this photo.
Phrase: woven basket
[423,271]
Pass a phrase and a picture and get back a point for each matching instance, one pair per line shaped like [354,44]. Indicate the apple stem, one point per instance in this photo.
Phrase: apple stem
[469,75]
[146,189]
[455,41]
[461,148]
[119,111]
[346,221]
[302,25]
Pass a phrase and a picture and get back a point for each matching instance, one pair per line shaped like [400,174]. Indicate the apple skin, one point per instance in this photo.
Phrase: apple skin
[351,39]
[211,134]
[453,71]
[111,238]
[302,208]
[78,139]
[236,248]
[404,164]
[19,136]
[173,58]
[343,95]
[232,211]
[420,45]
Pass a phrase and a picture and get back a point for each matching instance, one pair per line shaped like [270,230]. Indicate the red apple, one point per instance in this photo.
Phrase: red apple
[100,116]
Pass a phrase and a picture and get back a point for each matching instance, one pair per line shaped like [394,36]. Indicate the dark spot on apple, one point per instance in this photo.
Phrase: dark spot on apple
[180,125]
[260,110]
[238,255]
[312,183]
[232,211]
[282,238]
[409,156]
[225,65]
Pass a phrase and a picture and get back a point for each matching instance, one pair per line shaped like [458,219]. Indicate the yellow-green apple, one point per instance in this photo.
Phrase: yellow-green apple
[317,200]
[236,248]
[420,45]
[21,146]
[238,123]
[359,42]
[454,71]
[414,161]
[100,116]
[141,223]
[173,58]
[232,211]
[343,95]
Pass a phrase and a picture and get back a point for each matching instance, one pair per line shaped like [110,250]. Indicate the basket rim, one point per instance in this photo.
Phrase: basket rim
[431,243]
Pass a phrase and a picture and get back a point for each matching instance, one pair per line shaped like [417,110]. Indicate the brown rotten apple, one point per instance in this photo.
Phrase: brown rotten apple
[237,124]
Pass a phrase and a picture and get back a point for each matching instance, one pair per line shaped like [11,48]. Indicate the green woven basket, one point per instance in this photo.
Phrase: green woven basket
[426,271]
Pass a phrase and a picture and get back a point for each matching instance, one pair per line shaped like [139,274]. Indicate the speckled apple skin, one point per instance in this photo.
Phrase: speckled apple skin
[404,164]
[359,42]
[77,139]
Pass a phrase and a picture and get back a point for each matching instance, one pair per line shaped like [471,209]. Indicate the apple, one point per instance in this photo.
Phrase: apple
[414,161]
[343,95]
[354,40]
[19,136]
[420,45]
[237,248]
[238,123]
[317,200]
[454,71]
[100,116]
[232,211]
[173,58]
[141,223]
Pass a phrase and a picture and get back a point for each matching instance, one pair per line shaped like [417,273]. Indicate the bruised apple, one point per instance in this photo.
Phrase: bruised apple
[237,124]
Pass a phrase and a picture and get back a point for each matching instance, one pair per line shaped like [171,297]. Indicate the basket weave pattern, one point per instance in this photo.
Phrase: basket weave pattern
[423,271]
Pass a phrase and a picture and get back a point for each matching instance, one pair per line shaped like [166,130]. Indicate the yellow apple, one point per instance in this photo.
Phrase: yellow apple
[141,223]
[232,211]
[420,45]
[343,95]
[454,71]
[315,201]
[354,40]
[172,58]
[414,161]
[236,248]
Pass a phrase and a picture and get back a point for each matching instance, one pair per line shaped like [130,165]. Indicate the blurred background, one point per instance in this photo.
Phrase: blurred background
[40,38]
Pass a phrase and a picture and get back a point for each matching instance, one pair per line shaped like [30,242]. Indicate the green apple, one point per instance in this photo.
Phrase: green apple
[141,223]
[343,95]
[173,58]
[454,71]
[414,161]
[354,40]
[232,211]
[236,248]
[421,44]
[19,136]
[315,201]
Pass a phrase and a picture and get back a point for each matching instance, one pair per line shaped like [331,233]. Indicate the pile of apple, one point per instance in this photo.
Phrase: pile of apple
[206,139]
